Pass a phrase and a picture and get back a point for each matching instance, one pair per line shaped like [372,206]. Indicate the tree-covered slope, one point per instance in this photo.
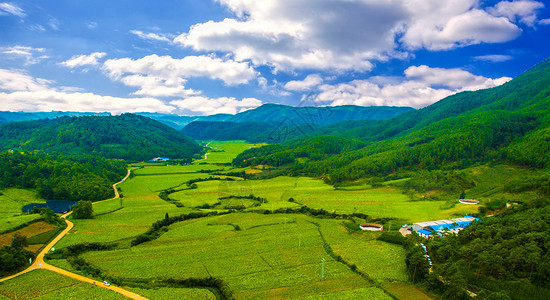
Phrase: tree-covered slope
[58,177]
[226,131]
[505,123]
[275,123]
[127,136]
[316,115]
[503,257]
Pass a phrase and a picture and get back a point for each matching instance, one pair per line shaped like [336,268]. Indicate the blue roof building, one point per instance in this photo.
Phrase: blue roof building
[443,227]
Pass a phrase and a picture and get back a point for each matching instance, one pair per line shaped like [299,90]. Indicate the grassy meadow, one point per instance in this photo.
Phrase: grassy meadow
[275,256]
[12,201]
[44,284]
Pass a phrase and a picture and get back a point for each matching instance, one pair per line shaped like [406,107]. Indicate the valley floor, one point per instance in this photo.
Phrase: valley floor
[253,249]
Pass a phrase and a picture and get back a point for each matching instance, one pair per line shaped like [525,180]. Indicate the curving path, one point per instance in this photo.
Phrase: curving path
[40,264]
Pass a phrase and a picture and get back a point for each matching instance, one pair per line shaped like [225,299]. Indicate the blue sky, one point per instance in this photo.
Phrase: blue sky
[227,56]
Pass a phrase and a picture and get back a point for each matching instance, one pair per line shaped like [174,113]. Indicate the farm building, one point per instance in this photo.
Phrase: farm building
[159,159]
[442,227]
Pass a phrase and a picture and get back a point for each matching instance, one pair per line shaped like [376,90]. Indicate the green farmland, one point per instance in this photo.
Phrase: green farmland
[257,254]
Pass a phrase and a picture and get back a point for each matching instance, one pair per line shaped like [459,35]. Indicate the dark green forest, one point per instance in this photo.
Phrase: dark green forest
[58,177]
[502,257]
[129,137]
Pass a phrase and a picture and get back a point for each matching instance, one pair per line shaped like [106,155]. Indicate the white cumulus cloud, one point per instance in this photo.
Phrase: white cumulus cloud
[316,34]
[524,11]
[421,87]
[309,82]
[199,105]
[342,35]
[84,60]
[166,76]
[25,93]
[29,55]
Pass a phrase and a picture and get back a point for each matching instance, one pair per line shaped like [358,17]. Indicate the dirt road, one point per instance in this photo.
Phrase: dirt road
[40,264]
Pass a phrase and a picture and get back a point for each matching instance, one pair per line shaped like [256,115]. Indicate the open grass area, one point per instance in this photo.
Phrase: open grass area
[11,202]
[229,150]
[44,284]
[175,293]
[271,256]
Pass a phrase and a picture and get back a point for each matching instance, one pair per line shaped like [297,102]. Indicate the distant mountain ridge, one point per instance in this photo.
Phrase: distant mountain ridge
[274,123]
[128,137]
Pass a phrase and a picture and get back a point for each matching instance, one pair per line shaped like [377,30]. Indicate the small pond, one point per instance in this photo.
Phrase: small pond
[57,206]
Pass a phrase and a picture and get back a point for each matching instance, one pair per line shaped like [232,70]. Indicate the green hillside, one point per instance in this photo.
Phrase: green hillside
[505,123]
[128,137]
[316,115]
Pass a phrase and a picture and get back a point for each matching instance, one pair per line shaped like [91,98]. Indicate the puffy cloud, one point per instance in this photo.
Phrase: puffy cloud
[447,27]
[316,34]
[26,93]
[200,105]
[309,82]
[158,87]
[544,22]
[421,86]
[84,60]
[524,11]
[11,9]
[62,101]
[166,76]
[340,35]
[229,71]
[11,80]
[495,58]
[152,36]
[29,55]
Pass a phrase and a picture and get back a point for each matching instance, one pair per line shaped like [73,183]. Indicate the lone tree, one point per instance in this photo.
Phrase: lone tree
[83,210]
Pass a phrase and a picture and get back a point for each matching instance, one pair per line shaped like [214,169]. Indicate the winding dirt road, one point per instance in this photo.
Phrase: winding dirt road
[40,264]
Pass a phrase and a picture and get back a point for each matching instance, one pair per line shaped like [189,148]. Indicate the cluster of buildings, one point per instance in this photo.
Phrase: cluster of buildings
[159,159]
[442,227]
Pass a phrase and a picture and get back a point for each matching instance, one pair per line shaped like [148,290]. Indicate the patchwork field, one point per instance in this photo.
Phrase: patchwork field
[275,256]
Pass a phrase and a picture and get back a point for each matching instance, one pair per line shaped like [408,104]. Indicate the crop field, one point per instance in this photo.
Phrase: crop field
[277,256]
[230,150]
[44,284]
[175,293]
[378,202]
[257,255]
[11,202]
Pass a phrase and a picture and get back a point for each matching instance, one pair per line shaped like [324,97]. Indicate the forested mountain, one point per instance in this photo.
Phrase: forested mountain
[505,123]
[128,137]
[275,123]
[316,115]
[58,177]
[227,131]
